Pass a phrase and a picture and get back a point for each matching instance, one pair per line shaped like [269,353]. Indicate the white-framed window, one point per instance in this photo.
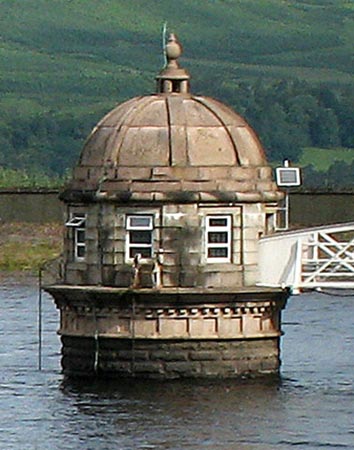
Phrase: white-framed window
[139,238]
[218,238]
[77,223]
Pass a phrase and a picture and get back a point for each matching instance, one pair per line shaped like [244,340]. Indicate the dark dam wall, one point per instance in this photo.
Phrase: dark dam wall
[306,209]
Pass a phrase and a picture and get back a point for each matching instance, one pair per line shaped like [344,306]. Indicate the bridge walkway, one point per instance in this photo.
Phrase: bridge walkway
[318,257]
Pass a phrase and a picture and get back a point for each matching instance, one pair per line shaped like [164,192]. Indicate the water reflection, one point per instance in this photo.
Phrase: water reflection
[189,414]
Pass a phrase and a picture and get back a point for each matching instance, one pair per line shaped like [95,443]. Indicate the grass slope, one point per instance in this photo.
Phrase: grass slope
[323,158]
[79,58]
[26,246]
[69,54]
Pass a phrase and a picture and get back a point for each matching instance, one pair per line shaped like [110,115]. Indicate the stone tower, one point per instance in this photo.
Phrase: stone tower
[163,216]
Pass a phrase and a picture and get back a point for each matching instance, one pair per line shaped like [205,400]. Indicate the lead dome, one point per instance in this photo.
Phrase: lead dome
[198,144]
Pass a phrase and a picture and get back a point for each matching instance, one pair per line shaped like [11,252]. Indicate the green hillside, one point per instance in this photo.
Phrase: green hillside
[83,51]
[323,158]
[63,63]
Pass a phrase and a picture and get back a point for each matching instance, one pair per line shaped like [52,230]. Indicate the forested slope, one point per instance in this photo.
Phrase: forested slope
[286,65]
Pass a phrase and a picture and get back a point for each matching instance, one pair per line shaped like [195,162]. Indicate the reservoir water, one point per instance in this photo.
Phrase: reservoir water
[309,407]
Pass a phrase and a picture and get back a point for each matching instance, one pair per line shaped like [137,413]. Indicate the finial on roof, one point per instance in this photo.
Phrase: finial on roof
[173,49]
[173,79]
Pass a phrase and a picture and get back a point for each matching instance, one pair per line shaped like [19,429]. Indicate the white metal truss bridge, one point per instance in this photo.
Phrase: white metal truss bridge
[319,257]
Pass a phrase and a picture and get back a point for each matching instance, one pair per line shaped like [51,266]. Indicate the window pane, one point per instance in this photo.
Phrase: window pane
[80,236]
[140,237]
[145,252]
[76,221]
[140,222]
[80,251]
[218,253]
[217,237]
[215,222]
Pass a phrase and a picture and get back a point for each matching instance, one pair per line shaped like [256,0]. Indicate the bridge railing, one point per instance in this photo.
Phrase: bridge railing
[309,258]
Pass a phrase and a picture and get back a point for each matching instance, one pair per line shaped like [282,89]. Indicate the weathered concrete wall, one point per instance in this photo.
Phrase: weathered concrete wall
[320,209]
[31,206]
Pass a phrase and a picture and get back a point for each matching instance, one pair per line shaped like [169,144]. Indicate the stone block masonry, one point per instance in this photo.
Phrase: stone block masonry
[182,181]
[169,359]
[169,333]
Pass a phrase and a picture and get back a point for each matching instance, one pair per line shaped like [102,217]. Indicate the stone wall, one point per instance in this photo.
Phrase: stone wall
[167,316]
[169,359]
[180,237]
[169,333]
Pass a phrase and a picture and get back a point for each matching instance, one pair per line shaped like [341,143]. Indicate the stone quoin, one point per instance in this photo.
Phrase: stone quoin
[163,216]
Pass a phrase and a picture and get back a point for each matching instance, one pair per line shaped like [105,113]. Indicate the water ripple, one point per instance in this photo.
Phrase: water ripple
[309,407]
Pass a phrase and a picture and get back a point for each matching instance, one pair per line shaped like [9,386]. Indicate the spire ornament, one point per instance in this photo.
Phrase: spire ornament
[173,79]
[173,50]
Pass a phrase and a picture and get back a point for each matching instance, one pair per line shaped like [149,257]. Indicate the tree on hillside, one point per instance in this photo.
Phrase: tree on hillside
[324,128]
[340,175]
[313,179]
[345,116]
[286,114]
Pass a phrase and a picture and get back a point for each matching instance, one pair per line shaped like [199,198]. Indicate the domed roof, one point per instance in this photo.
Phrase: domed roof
[172,130]
[176,138]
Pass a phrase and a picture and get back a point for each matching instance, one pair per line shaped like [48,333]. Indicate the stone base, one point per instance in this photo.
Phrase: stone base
[169,359]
